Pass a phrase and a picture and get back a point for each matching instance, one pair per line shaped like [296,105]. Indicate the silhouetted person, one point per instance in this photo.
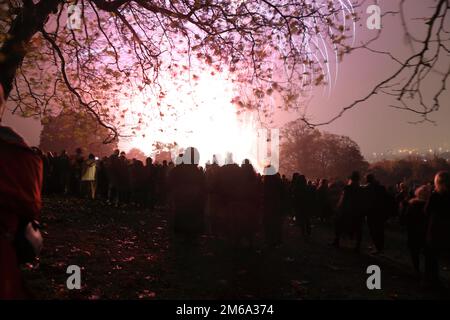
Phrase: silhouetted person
[302,195]
[230,189]
[123,187]
[416,225]
[112,169]
[376,202]
[187,184]
[214,201]
[286,202]
[402,198]
[137,182]
[249,204]
[77,171]
[48,172]
[324,209]
[272,215]
[102,178]
[350,215]
[162,184]
[150,183]
[63,172]
[438,235]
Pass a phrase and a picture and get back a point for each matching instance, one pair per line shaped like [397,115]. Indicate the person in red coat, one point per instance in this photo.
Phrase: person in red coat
[20,202]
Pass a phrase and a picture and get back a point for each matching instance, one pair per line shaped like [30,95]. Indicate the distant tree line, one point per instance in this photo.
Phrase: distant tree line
[71,130]
[411,170]
[318,154]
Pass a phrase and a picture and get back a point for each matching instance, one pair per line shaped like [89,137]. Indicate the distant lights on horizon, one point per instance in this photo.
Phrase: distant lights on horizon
[411,151]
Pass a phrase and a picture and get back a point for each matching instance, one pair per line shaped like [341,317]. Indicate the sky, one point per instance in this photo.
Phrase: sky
[373,125]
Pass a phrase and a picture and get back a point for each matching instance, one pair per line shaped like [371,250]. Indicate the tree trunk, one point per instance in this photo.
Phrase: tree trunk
[29,20]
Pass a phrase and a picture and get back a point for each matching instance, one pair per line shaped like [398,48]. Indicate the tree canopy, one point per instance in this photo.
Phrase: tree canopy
[411,169]
[318,154]
[123,46]
[71,130]
[135,153]
[268,48]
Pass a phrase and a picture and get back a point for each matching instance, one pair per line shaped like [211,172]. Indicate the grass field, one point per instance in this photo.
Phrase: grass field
[129,253]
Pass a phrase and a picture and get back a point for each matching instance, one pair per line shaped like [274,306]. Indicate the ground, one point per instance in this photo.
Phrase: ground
[130,253]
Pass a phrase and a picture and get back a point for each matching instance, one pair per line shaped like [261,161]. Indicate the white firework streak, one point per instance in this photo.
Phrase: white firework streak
[316,46]
[348,9]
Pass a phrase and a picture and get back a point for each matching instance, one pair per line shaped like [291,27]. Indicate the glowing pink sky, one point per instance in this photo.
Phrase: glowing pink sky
[373,125]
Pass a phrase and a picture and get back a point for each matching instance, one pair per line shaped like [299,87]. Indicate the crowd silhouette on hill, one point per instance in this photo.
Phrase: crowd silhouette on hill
[229,201]
[235,203]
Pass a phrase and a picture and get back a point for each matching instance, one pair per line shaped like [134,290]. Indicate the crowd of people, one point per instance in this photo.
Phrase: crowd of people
[116,179]
[237,203]
[231,201]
